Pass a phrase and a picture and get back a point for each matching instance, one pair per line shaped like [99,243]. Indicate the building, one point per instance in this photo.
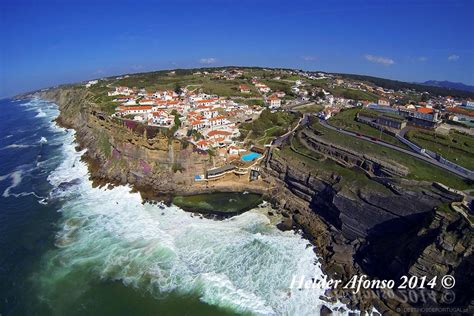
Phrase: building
[121,91]
[461,114]
[91,83]
[383,102]
[244,89]
[162,118]
[468,104]
[422,117]
[135,110]
[274,102]
[280,94]
[220,136]
[377,120]
[217,121]
[219,172]
[391,121]
[381,108]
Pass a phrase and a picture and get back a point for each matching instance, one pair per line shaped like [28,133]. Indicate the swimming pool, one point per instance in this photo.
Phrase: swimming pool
[250,157]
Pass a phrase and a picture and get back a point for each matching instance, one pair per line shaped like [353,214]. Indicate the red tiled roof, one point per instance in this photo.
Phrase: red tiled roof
[145,107]
[425,110]
[460,111]
[206,101]
[220,117]
[218,132]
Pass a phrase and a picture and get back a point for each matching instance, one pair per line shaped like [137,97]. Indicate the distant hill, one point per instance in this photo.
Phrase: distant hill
[449,85]
[396,85]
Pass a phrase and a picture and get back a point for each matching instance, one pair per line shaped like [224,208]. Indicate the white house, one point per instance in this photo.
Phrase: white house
[120,91]
[217,121]
[383,102]
[244,89]
[91,83]
[136,110]
[162,118]
[274,102]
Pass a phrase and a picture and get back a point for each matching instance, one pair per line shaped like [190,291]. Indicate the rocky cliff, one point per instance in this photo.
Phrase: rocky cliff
[154,164]
[381,226]
[385,230]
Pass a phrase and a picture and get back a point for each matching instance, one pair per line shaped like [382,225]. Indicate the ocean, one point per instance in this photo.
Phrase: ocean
[69,248]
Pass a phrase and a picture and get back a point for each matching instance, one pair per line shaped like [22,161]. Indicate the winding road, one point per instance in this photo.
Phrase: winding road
[402,150]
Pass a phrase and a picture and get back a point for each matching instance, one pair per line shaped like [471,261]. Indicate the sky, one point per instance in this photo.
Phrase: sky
[49,42]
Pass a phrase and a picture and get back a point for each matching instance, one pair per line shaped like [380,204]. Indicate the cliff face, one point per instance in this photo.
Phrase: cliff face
[383,227]
[385,231]
[118,155]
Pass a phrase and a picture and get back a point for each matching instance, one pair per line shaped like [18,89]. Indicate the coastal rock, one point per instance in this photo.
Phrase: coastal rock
[384,227]
[325,311]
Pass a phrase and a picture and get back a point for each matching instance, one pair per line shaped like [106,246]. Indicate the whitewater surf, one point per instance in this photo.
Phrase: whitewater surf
[105,237]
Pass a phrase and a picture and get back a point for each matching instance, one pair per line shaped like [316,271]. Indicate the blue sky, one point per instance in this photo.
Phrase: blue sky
[49,42]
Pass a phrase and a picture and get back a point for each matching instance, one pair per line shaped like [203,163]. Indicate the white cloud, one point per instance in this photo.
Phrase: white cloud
[422,59]
[207,61]
[453,57]
[310,58]
[379,60]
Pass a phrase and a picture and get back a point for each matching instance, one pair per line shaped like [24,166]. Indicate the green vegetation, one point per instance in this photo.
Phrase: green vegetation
[98,95]
[207,83]
[177,167]
[250,101]
[309,108]
[219,203]
[104,145]
[418,169]
[268,126]
[291,77]
[399,85]
[279,85]
[346,119]
[354,94]
[317,165]
[456,147]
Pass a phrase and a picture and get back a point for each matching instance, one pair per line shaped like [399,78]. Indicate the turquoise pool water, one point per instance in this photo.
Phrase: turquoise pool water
[250,157]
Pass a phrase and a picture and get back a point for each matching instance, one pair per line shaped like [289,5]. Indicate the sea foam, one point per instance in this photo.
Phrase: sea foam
[243,263]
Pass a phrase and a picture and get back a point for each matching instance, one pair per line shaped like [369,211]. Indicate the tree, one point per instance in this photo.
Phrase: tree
[425,97]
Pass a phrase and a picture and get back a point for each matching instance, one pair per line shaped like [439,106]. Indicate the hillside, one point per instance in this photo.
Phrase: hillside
[397,85]
[449,85]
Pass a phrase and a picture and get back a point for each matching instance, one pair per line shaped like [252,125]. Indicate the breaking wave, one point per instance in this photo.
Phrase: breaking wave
[243,263]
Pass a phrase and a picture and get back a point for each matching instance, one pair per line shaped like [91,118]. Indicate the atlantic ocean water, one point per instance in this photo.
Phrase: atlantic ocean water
[70,249]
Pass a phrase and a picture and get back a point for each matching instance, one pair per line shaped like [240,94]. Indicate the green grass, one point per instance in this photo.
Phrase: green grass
[292,77]
[354,94]
[104,145]
[309,108]
[270,134]
[456,147]
[250,101]
[418,169]
[269,125]
[317,165]
[162,81]
[278,85]
[346,120]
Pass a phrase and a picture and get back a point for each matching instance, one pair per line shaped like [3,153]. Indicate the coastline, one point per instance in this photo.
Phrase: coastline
[331,246]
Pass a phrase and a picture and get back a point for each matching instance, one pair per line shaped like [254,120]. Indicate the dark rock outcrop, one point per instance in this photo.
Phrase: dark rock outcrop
[384,227]
[376,230]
